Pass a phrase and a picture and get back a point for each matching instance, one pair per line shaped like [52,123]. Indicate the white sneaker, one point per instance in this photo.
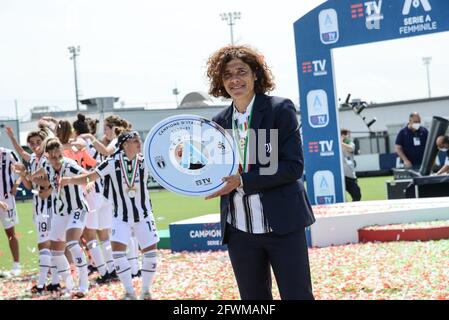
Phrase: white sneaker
[16,270]
[129,296]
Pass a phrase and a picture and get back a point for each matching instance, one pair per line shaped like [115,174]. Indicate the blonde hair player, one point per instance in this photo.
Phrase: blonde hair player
[132,209]
[69,219]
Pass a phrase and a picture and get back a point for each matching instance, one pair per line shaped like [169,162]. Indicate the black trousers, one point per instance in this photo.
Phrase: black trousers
[353,189]
[252,255]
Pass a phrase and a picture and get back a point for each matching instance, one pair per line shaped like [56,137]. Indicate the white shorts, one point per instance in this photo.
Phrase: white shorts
[100,213]
[145,232]
[60,224]
[9,218]
[42,222]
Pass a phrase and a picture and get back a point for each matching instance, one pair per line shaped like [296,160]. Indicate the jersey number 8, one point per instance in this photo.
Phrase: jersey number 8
[76,215]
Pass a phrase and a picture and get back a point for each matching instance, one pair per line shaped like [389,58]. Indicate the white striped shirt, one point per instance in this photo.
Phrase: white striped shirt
[94,153]
[245,211]
[106,180]
[71,197]
[40,206]
[126,208]
[7,175]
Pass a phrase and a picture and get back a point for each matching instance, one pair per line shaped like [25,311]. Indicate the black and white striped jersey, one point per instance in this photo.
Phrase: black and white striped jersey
[128,207]
[40,206]
[99,184]
[70,197]
[102,185]
[7,174]
[246,213]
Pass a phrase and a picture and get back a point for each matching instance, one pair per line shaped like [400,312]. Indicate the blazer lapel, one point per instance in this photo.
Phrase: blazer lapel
[227,118]
[258,113]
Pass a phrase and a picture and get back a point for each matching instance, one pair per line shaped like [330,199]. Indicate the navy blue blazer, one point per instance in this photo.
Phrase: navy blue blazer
[283,196]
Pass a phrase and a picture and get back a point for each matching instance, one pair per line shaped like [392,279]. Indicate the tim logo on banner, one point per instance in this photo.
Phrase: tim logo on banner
[325,148]
[324,187]
[318,108]
[373,11]
[328,23]
[318,67]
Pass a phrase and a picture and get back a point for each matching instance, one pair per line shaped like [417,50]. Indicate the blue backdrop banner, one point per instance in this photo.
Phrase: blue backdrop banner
[335,24]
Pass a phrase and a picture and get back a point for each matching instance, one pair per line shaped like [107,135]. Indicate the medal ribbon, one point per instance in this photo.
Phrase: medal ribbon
[129,175]
[242,128]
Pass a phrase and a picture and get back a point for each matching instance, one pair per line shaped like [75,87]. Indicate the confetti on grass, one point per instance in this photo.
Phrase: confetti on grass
[394,270]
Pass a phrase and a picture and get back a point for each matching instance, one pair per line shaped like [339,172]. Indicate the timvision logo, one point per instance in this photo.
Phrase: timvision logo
[371,11]
[316,67]
[325,147]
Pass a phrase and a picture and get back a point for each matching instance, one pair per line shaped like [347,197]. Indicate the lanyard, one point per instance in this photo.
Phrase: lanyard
[237,137]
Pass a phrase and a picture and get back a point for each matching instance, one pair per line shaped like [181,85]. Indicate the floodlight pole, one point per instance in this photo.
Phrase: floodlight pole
[75,52]
[230,18]
[427,61]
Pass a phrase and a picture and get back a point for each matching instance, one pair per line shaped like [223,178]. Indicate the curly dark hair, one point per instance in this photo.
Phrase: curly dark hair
[217,62]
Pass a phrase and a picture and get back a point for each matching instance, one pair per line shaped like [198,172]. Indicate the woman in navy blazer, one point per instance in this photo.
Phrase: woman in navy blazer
[240,73]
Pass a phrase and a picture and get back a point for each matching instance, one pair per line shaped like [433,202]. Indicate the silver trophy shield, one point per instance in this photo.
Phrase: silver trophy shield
[190,155]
